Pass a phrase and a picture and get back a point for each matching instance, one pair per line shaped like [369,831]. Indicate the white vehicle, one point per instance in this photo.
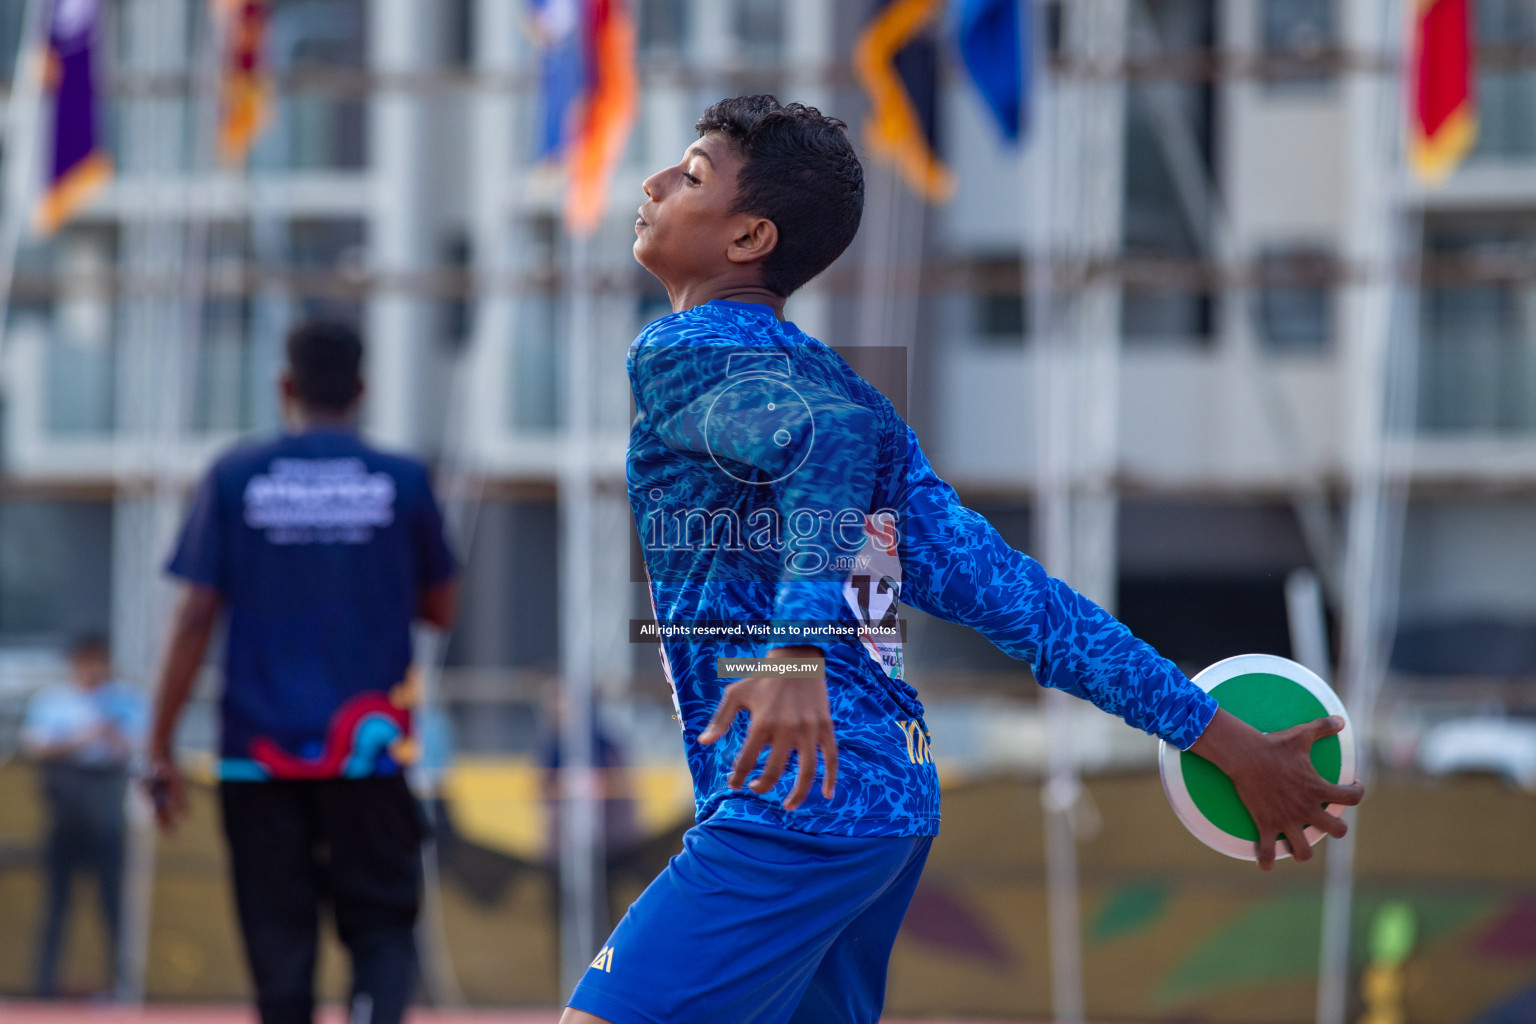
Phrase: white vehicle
[1503,746]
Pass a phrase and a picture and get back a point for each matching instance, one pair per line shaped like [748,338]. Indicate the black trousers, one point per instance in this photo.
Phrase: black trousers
[85,834]
[351,844]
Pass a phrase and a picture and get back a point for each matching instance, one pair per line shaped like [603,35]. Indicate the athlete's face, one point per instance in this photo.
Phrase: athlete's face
[686,232]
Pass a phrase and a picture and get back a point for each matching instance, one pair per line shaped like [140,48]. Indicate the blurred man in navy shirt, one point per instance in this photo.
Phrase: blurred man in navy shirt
[321,551]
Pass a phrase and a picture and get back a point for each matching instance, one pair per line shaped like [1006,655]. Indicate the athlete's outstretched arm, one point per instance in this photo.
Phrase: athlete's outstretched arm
[958,568]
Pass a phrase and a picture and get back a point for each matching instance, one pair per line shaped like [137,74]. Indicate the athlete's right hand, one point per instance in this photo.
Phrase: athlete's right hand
[167,790]
[788,715]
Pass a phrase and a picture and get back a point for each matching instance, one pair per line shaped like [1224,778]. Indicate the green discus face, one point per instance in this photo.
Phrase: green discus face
[1270,694]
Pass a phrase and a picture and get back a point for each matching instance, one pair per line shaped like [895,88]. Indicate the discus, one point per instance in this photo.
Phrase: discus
[1271,694]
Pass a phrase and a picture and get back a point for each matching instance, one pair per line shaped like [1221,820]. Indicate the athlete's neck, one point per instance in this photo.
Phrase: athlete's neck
[688,296]
[301,420]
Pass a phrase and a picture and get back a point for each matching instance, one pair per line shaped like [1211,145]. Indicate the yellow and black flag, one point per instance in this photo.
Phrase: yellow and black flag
[896,60]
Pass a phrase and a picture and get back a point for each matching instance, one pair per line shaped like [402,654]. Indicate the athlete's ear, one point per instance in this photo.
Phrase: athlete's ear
[754,241]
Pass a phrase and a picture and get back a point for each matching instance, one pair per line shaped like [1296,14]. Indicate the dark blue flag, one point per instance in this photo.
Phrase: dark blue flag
[562,71]
[994,47]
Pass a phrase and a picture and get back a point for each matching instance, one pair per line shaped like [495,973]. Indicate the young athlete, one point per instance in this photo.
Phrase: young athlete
[784,507]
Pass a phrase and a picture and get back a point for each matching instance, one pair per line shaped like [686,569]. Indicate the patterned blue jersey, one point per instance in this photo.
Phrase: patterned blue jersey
[780,499]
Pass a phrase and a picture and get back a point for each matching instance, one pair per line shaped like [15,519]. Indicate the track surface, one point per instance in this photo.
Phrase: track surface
[106,1013]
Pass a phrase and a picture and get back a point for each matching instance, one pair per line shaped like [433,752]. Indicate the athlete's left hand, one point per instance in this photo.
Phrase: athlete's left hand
[1276,781]
[789,715]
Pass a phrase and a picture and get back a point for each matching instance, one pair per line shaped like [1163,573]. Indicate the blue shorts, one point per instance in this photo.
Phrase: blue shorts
[758,925]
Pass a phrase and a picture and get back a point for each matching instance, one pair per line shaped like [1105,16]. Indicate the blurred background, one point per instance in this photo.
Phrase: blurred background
[1227,326]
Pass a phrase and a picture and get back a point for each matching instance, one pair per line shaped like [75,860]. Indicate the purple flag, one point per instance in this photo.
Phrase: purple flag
[79,165]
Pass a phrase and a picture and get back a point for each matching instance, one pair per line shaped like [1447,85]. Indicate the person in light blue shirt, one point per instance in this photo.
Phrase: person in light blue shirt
[82,732]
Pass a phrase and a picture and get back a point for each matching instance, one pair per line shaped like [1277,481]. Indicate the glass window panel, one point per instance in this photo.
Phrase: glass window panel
[535,363]
[998,315]
[1477,344]
[1506,81]
[55,569]
[81,384]
[1161,220]
[1295,299]
[320,48]
[664,26]
[1170,316]
[760,30]
[1296,37]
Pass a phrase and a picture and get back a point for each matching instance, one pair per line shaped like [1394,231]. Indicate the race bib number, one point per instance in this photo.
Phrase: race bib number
[873,590]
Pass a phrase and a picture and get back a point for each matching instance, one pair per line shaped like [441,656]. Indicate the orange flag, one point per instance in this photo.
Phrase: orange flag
[244,101]
[605,114]
[1443,107]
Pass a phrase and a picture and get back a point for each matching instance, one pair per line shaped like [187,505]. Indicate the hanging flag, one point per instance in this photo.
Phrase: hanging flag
[590,92]
[606,112]
[995,50]
[896,60]
[245,102]
[1443,105]
[79,165]
[556,26]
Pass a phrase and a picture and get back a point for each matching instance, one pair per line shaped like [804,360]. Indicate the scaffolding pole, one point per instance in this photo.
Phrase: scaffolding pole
[581,837]
[1372,548]
[1075,191]
[1052,535]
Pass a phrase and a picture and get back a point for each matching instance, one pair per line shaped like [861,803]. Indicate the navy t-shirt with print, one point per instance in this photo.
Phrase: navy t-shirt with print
[320,546]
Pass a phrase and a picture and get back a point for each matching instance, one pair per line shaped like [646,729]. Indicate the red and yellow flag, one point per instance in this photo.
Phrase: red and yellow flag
[245,103]
[605,114]
[1443,106]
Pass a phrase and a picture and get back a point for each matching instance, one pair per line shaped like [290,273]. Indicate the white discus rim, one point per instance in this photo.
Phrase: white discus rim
[1171,766]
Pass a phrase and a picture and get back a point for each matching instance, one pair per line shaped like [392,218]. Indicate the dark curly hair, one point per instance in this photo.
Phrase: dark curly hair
[325,361]
[801,173]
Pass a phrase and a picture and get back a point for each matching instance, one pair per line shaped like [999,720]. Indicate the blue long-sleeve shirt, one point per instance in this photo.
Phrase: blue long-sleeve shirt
[774,490]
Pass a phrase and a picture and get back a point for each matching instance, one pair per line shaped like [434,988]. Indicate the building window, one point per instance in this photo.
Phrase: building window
[11,15]
[1506,80]
[539,329]
[459,33]
[1477,339]
[664,26]
[321,123]
[330,257]
[82,358]
[52,583]
[995,285]
[1295,298]
[457,309]
[760,30]
[1164,224]
[1299,40]
[224,397]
